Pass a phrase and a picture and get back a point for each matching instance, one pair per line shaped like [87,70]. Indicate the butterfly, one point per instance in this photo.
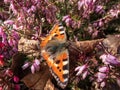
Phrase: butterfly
[55,53]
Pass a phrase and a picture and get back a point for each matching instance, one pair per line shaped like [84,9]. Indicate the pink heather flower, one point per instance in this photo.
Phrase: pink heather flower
[112,60]
[37,62]
[80,4]
[65,17]
[33,8]
[15,35]
[9,22]
[17,27]
[68,21]
[35,66]
[104,69]
[2,61]
[4,38]
[7,1]
[17,87]
[1,88]
[26,65]
[109,59]
[95,33]
[84,74]
[103,57]
[9,73]
[100,76]
[1,30]
[102,84]
[99,9]
[33,69]
[118,81]
[80,69]
[12,7]
[10,41]
[2,45]
[16,79]
[114,13]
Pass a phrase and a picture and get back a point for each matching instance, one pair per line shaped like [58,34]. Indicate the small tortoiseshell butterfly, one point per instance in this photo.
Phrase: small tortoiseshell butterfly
[54,51]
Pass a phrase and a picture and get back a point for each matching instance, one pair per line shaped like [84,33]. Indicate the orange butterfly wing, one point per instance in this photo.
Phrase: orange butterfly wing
[56,55]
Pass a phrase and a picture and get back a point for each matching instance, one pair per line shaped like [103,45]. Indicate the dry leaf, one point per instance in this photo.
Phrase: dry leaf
[29,47]
[38,80]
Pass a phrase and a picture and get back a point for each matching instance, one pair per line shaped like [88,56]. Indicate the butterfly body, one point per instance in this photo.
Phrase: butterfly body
[55,53]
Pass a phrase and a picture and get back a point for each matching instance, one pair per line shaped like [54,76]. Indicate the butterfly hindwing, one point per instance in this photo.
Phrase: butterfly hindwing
[56,55]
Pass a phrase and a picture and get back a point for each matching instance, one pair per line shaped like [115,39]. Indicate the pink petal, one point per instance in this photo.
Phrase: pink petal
[84,74]
[9,22]
[102,84]
[9,72]
[103,69]
[65,17]
[101,76]
[16,79]
[80,69]
[37,61]
[32,69]
[26,65]
[17,87]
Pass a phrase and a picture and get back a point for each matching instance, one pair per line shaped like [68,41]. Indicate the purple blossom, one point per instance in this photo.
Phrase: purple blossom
[70,22]
[10,44]
[26,65]
[114,13]
[17,27]
[65,17]
[99,9]
[7,1]
[110,59]
[102,84]
[15,35]
[100,76]
[16,79]
[84,74]
[80,4]
[82,70]
[1,88]
[2,61]
[104,69]
[37,62]
[1,45]
[33,69]
[4,38]
[17,87]
[9,72]
[9,22]
[13,7]
[35,66]
[32,9]
[86,6]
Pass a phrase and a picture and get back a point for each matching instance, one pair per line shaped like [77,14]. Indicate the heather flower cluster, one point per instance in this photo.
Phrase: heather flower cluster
[35,66]
[82,70]
[70,22]
[8,76]
[102,73]
[8,43]
[31,14]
